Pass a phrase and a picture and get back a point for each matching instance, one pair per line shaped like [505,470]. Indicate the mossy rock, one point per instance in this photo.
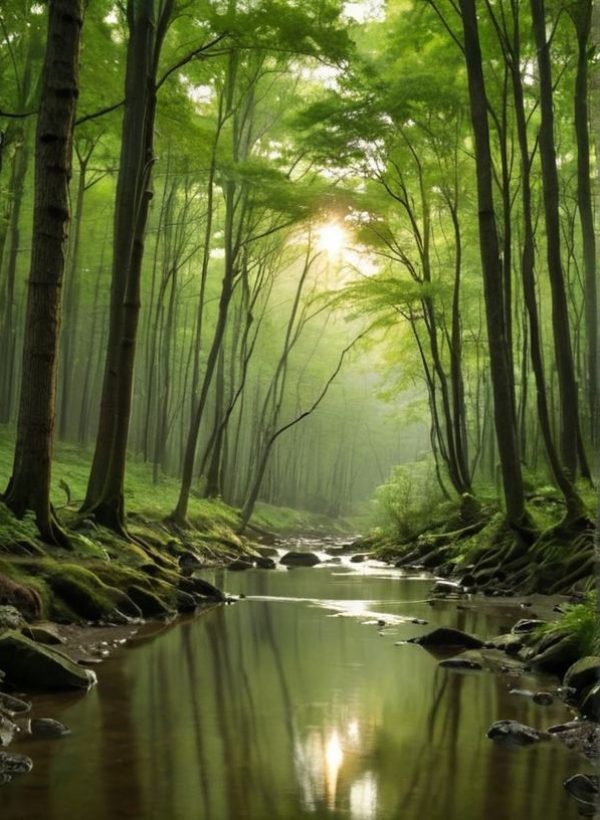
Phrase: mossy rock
[583,673]
[31,665]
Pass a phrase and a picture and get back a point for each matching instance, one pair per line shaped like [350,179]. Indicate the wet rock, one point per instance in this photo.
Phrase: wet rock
[590,702]
[511,733]
[557,657]
[151,605]
[10,618]
[420,621]
[14,706]
[584,788]
[461,664]
[199,586]
[526,625]
[358,558]
[300,559]
[8,730]
[32,665]
[264,562]
[583,673]
[46,634]
[509,643]
[543,698]
[240,564]
[447,588]
[12,764]
[446,636]
[48,729]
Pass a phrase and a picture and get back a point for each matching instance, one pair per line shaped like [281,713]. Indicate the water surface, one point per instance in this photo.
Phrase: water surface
[295,703]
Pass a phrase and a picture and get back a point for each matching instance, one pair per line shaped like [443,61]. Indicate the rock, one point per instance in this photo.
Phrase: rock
[358,558]
[8,730]
[25,599]
[526,625]
[48,729]
[584,788]
[300,559]
[582,736]
[583,673]
[240,564]
[509,643]
[10,618]
[420,621]
[557,657]
[13,764]
[461,664]
[511,733]
[590,702]
[47,634]
[14,706]
[543,698]
[201,587]
[32,665]
[150,604]
[263,562]
[447,588]
[446,636]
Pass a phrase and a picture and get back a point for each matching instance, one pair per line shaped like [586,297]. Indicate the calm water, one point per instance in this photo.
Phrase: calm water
[290,705]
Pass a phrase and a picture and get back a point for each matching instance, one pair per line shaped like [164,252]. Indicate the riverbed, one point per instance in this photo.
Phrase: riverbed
[298,701]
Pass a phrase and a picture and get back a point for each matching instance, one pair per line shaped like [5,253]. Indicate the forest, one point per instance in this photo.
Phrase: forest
[308,277]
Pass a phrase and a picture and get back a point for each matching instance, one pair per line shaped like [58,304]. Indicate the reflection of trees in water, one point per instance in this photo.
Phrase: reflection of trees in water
[194,694]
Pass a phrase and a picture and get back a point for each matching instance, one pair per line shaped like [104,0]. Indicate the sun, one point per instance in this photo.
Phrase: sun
[332,239]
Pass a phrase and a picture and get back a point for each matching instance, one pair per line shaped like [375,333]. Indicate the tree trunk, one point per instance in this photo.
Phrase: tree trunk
[501,373]
[29,485]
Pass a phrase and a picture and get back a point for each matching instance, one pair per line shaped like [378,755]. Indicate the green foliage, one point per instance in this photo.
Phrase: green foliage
[404,504]
[581,622]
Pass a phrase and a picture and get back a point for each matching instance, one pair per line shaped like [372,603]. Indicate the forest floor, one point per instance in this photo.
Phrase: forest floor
[104,578]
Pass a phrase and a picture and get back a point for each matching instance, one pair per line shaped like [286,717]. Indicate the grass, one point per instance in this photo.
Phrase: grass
[581,622]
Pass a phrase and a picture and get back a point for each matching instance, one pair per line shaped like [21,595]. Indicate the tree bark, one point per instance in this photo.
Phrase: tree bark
[29,485]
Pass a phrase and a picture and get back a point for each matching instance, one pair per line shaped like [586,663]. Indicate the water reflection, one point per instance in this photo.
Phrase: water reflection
[270,710]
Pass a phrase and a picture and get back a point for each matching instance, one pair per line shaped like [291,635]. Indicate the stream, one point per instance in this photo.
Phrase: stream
[296,702]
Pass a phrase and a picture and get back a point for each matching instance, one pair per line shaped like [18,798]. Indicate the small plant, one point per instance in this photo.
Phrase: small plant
[403,505]
[581,622]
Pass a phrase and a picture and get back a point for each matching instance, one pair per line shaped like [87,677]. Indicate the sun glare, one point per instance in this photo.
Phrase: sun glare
[332,239]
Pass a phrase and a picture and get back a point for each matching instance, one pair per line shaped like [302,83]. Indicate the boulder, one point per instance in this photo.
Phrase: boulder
[358,558]
[557,657]
[584,788]
[32,665]
[300,559]
[446,636]
[583,673]
[48,729]
[12,764]
[511,733]
[185,601]
[264,562]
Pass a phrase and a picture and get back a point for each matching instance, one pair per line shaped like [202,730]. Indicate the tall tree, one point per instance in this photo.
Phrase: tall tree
[29,485]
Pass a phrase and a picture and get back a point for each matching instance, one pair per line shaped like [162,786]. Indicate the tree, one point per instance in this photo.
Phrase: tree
[29,485]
